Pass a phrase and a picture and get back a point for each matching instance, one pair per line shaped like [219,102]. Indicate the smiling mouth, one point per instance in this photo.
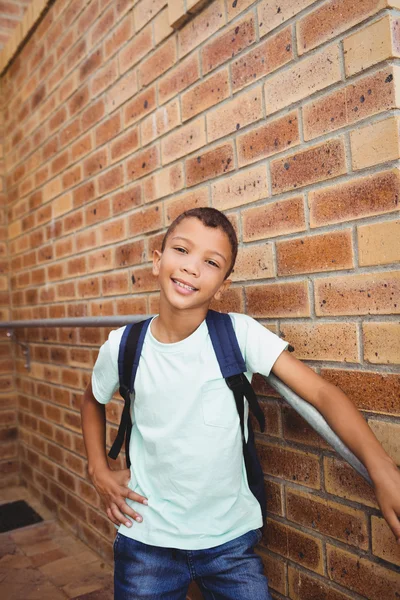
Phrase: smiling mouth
[184,285]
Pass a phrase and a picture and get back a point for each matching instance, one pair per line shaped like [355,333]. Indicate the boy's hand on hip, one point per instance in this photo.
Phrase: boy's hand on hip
[112,489]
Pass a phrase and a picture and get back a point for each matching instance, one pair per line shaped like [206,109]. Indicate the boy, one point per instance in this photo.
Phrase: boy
[198,519]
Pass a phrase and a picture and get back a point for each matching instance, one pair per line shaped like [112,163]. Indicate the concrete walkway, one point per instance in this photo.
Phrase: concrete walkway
[45,562]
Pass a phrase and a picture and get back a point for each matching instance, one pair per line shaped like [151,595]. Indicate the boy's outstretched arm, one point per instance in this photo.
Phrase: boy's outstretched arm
[110,485]
[350,426]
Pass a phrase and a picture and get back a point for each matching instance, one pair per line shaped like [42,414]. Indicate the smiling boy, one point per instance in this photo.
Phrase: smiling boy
[198,519]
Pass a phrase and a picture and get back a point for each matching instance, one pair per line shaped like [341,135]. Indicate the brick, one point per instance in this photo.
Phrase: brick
[247,186]
[89,288]
[113,231]
[100,260]
[104,78]
[148,219]
[329,518]
[129,254]
[124,144]
[368,96]
[343,481]
[375,143]
[275,570]
[322,341]
[143,280]
[183,141]
[374,294]
[163,183]
[268,56]
[231,301]
[383,541]
[114,284]
[108,129]
[159,62]
[125,88]
[145,11]
[179,78]
[162,28]
[379,243]
[143,163]
[112,179]
[231,116]
[121,34]
[304,587]
[271,15]
[274,492]
[193,199]
[331,19]
[205,94]
[381,343]
[308,166]
[127,199]
[278,300]
[82,147]
[376,194]
[254,262]
[361,575]
[273,219]
[295,545]
[95,163]
[370,45]
[90,65]
[309,75]
[104,24]
[377,392]
[388,435]
[210,164]
[92,115]
[138,47]
[201,27]
[326,252]
[159,122]
[228,44]
[293,465]
[139,106]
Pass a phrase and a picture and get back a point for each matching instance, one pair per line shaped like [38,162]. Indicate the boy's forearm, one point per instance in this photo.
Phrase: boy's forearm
[94,431]
[350,426]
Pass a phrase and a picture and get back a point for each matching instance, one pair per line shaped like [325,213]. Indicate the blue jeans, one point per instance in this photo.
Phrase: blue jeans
[230,571]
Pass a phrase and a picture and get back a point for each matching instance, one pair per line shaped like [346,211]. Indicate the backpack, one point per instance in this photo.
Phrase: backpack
[232,367]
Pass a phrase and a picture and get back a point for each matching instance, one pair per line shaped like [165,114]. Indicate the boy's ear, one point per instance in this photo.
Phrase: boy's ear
[156,261]
[222,289]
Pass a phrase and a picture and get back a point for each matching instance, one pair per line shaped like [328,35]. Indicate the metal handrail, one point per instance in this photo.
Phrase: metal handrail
[303,408]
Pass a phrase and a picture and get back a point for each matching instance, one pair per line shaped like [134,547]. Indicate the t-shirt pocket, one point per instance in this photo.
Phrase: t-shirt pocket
[218,404]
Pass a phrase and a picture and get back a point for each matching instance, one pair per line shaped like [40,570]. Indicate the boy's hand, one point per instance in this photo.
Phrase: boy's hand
[112,489]
[387,491]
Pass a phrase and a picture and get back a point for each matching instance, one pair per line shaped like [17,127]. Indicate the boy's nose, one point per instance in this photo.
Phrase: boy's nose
[191,269]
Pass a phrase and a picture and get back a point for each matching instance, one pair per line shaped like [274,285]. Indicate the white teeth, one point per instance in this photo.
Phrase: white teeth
[184,286]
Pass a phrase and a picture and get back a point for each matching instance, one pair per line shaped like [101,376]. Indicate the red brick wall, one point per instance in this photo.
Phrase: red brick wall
[285,116]
[9,460]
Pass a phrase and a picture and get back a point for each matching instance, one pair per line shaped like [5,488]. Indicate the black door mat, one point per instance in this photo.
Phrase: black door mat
[14,515]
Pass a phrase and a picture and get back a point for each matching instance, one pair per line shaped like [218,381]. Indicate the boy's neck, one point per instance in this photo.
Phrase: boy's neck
[174,325]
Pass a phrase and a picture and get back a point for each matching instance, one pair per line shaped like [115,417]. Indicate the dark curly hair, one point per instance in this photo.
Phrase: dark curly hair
[210,217]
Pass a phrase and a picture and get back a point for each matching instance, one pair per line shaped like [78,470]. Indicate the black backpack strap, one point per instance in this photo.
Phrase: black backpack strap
[233,370]
[231,363]
[130,350]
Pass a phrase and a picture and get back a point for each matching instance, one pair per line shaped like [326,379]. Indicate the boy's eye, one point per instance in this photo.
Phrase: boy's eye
[180,249]
[212,263]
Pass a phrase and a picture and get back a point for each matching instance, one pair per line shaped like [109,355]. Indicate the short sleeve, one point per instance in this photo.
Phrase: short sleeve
[260,347]
[105,380]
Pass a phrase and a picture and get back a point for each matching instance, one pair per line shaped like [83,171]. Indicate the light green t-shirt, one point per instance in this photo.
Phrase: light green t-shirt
[185,448]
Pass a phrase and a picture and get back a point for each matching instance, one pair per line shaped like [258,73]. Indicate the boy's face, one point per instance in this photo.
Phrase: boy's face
[192,268]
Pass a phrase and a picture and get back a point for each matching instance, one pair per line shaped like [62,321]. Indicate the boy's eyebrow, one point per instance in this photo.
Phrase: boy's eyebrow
[180,237]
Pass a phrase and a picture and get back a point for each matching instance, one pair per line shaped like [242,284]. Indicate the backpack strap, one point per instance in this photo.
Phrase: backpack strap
[232,365]
[130,349]
[233,370]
